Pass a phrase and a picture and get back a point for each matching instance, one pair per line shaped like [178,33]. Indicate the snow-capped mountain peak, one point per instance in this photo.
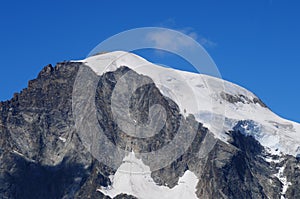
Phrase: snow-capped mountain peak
[216,103]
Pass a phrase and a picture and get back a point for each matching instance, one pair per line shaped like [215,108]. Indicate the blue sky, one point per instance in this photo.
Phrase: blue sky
[254,43]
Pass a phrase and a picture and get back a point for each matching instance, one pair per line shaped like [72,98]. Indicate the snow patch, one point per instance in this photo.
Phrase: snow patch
[133,177]
[22,155]
[271,159]
[62,139]
[18,153]
[283,180]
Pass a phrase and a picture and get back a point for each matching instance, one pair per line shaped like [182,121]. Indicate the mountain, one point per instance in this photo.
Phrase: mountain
[180,135]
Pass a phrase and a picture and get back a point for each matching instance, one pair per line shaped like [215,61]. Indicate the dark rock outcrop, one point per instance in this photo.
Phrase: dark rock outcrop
[242,99]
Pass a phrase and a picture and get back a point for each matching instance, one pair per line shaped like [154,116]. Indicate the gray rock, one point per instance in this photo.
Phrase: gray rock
[43,156]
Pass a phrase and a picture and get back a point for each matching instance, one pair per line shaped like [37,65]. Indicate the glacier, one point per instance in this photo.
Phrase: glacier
[203,96]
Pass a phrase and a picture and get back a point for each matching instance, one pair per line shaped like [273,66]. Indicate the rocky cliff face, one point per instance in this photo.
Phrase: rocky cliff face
[43,156]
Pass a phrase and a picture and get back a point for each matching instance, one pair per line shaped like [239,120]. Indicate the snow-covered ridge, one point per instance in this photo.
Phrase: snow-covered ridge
[201,95]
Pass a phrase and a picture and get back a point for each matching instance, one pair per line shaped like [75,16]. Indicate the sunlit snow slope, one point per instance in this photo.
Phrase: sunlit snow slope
[133,177]
[216,103]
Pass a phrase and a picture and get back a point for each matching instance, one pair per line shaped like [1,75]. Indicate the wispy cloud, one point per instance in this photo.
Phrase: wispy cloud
[199,38]
[167,40]
[172,41]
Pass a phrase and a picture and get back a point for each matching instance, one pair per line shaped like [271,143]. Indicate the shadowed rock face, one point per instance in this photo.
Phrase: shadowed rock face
[42,155]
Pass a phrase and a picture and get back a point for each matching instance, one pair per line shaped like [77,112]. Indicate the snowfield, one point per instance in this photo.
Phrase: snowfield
[133,177]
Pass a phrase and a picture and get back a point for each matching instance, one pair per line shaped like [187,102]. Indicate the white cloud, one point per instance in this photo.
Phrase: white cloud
[167,39]
[199,38]
[206,42]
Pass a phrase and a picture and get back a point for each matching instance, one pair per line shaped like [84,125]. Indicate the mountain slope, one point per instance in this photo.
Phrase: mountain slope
[220,104]
[43,155]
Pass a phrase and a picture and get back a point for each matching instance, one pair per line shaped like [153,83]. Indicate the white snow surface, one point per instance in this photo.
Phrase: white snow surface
[200,95]
[62,139]
[283,180]
[133,177]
